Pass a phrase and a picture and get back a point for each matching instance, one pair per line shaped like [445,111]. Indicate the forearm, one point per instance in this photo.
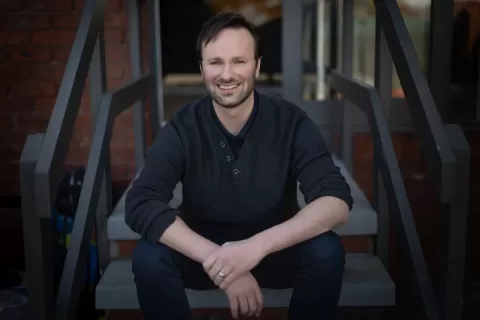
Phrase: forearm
[319,216]
[181,238]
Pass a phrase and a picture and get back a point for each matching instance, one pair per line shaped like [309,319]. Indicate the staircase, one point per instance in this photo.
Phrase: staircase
[367,280]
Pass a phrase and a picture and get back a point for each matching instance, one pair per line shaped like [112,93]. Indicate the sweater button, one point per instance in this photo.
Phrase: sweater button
[236,171]
[222,144]
[228,158]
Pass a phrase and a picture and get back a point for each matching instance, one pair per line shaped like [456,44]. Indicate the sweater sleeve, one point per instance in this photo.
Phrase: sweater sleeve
[147,210]
[313,165]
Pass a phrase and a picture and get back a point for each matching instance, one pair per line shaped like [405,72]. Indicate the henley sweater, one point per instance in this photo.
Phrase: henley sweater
[233,186]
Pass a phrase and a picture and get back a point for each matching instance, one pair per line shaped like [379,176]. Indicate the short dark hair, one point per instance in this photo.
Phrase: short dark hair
[224,20]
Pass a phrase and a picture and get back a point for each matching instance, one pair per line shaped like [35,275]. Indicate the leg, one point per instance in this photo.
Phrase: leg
[161,275]
[314,268]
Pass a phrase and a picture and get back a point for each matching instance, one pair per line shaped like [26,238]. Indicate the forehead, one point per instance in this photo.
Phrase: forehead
[230,42]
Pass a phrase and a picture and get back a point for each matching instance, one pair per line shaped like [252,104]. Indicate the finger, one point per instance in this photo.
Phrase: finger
[215,269]
[259,299]
[242,300]
[252,304]
[208,263]
[227,271]
[233,301]
[229,279]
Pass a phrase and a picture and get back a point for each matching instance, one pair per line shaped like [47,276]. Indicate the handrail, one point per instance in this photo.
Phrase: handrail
[426,119]
[113,103]
[60,128]
[368,100]
[45,171]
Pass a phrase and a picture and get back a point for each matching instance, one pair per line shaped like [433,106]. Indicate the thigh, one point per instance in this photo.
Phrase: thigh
[277,270]
[193,274]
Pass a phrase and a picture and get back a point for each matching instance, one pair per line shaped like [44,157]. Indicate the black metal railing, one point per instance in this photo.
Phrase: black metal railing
[368,100]
[445,149]
[44,155]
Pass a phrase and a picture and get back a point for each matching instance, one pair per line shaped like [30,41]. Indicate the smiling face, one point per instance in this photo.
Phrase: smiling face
[229,67]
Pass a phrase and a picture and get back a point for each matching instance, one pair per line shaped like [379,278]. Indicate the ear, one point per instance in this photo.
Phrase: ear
[257,68]
[201,70]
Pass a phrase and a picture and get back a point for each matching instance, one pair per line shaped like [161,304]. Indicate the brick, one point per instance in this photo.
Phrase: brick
[115,20]
[8,37]
[61,53]
[13,5]
[77,156]
[44,105]
[116,72]
[53,5]
[42,71]
[29,53]
[25,21]
[33,88]
[29,124]
[60,37]
[58,71]
[114,6]
[19,105]
[78,5]
[122,171]
[114,36]
[14,70]
[70,21]
[117,53]
[362,147]
[4,91]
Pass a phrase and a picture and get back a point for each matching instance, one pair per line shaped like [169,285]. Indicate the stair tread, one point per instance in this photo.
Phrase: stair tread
[366,283]
[362,219]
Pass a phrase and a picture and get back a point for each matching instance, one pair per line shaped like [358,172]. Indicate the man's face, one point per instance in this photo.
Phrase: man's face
[229,68]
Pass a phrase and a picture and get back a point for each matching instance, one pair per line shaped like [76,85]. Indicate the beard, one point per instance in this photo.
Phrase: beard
[230,101]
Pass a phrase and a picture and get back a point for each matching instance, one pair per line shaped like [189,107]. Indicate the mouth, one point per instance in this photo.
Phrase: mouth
[228,87]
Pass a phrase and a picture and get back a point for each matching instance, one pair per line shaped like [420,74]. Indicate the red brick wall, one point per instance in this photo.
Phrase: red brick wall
[35,41]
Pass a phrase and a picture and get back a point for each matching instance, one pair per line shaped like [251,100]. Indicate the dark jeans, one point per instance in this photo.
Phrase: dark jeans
[313,268]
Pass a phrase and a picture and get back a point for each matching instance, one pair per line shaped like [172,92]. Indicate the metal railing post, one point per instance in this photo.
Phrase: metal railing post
[37,238]
[292,52]
[383,84]
[454,230]
[136,72]
[346,142]
[157,109]
[440,54]
[98,86]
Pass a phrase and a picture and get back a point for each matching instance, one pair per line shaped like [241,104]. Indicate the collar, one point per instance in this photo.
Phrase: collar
[248,125]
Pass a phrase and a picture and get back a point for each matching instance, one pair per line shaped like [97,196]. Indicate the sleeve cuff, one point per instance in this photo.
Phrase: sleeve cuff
[159,225]
[345,196]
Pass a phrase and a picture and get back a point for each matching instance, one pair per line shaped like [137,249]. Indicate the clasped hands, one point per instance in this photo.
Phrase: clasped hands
[229,268]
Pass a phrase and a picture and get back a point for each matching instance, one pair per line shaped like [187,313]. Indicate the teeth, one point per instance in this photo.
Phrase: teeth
[228,87]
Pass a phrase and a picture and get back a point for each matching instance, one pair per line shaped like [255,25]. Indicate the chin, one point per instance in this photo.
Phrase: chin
[232,101]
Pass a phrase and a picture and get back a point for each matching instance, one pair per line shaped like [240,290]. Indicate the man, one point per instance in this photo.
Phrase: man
[239,155]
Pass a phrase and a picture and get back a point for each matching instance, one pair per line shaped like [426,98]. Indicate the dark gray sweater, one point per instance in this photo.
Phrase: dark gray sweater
[233,187]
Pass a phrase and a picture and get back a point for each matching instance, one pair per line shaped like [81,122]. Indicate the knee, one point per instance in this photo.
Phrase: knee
[152,261]
[325,252]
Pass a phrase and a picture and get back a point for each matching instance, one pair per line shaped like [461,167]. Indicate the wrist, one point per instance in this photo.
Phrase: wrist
[262,244]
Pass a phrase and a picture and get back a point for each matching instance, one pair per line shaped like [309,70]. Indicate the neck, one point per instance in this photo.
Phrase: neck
[233,119]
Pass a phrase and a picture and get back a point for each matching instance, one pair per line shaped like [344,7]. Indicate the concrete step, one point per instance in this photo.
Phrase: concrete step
[366,283]
[362,220]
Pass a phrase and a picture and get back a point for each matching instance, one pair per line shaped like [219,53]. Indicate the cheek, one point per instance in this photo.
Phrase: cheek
[247,73]
[209,76]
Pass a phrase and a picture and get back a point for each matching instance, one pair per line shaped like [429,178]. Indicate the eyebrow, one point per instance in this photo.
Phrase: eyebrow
[234,58]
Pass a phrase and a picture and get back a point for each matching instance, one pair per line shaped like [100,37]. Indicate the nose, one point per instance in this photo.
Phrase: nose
[227,73]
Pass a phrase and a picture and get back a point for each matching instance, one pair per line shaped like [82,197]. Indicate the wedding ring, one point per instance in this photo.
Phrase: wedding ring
[221,275]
